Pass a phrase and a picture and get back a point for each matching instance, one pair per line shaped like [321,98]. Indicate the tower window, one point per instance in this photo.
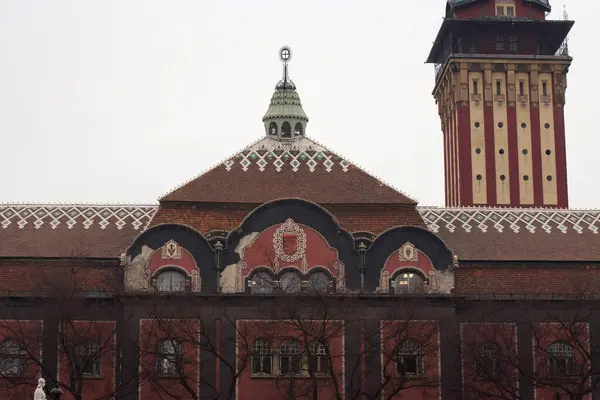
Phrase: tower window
[498,87]
[521,88]
[499,43]
[273,129]
[513,44]
[475,86]
[505,8]
[286,130]
[544,88]
[298,129]
[472,46]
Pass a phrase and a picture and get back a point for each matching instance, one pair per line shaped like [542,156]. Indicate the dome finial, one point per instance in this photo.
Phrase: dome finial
[285,55]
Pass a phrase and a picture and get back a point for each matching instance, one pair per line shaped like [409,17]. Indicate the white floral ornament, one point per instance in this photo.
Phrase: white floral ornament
[408,252]
[290,227]
[171,251]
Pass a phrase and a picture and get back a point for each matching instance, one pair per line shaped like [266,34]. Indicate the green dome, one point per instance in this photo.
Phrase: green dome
[285,103]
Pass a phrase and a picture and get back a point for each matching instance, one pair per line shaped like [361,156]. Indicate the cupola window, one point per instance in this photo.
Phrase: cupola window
[273,129]
[286,130]
[298,129]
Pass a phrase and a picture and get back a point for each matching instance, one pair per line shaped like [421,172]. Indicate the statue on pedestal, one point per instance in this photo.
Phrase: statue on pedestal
[39,392]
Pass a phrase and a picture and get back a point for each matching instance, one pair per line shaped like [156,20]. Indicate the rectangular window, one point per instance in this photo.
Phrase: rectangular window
[544,88]
[510,11]
[475,86]
[499,43]
[500,11]
[513,44]
[472,47]
[498,87]
[521,88]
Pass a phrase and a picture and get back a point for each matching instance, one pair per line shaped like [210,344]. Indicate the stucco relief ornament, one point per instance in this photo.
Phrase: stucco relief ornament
[195,280]
[408,252]
[287,232]
[239,280]
[171,251]
[384,282]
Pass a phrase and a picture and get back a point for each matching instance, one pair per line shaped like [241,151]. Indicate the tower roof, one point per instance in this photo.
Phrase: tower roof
[285,103]
[459,3]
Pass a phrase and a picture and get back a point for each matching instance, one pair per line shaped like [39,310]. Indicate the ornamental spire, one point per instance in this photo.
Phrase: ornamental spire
[285,118]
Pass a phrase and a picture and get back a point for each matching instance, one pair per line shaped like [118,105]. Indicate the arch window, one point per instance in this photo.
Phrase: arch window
[290,282]
[290,357]
[169,357]
[318,359]
[318,282]
[170,281]
[488,354]
[13,358]
[262,283]
[410,359]
[88,358]
[286,130]
[262,358]
[273,129]
[298,130]
[408,283]
[561,359]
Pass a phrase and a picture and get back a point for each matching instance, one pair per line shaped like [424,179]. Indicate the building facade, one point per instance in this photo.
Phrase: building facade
[287,272]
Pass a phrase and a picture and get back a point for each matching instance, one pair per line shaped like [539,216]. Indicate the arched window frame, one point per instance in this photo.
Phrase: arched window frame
[318,359]
[561,359]
[171,269]
[294,286]
[169,360]
[262,358]
[286,130]
[415,274]
[290,357]
[88,358]
[410,359]
[13,358]
[273,129]
[487,360]
[298,129]
[262,281]
[310,280]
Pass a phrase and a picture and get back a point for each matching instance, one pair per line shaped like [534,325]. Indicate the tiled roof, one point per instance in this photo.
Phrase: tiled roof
[272,169]
[517,234]
[95,231]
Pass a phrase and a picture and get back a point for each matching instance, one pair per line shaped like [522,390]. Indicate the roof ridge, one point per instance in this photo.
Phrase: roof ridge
[83,204]
[507,209]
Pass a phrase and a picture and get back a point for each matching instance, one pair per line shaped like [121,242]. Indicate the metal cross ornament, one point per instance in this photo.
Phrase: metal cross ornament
[285,54]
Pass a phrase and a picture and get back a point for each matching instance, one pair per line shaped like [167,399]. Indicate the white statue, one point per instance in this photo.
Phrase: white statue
[39,392]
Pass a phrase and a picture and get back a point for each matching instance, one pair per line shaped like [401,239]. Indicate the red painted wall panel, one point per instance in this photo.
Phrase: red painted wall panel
[536,156]
[513,156]
[466,168]
[490,154]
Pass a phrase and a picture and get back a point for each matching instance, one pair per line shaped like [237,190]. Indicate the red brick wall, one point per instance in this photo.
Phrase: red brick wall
[487,8]
[393,334]
[277,387]
[29,334]
[79,332]
[573,280]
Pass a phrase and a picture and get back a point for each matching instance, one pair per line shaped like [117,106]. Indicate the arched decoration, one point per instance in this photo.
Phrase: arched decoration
[273,131]
[319,283]
[408,282]
[317,223]
[262,282]
[409,247]
[290,282]
[171,245]
[298,129]
[171,280]
[286,130]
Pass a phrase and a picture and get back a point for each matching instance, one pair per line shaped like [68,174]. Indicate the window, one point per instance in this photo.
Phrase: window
[410,360]
[500,11]
[290,357]
[544,88]
[513,44]
[262,283]
[262,358]
[499,43]
[561,359]
[318,282]
[475,86]
[290,282]
[170,281]
[318,359]
[521,88]
[273,129]
[286,130]
[487,358]
[408,283]
[505,8]
[510,11]
[298,129]
[88,359]
[472,46]
[13,359]
[498,87]
[169,357]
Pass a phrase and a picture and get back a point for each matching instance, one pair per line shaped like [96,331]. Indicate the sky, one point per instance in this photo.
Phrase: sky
[120,101]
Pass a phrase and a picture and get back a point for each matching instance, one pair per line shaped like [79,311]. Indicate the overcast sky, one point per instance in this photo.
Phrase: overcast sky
[122,100]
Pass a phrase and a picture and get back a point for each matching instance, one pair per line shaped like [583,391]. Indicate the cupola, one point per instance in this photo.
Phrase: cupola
[285,119]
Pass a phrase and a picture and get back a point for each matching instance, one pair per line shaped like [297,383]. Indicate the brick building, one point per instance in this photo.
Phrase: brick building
[287,272]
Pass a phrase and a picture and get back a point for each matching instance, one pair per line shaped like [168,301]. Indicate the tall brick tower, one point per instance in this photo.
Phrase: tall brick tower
[500,87]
